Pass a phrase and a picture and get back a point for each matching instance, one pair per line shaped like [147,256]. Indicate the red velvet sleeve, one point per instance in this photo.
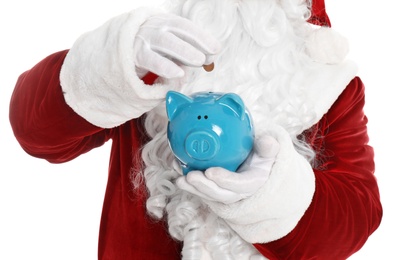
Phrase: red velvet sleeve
[44,125]
[346,206]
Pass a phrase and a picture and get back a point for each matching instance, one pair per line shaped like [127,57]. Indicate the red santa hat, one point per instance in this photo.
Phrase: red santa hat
[318,14]
[324,44]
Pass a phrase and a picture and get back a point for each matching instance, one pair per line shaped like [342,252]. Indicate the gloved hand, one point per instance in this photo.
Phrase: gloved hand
[166,41]
[220,185]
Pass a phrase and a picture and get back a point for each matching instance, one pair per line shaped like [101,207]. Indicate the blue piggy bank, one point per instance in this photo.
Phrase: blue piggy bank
[208,129]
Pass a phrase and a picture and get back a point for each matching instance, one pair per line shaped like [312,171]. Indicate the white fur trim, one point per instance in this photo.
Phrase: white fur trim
[324,83]
[278,206]
[276,209]
[98,76]
[327,46]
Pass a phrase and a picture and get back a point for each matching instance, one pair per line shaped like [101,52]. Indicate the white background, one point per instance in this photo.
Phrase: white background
[53,211]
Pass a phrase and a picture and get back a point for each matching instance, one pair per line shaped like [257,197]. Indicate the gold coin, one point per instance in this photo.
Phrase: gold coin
[208,67]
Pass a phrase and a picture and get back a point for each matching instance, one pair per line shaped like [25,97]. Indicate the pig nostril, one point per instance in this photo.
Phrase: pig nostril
[206,117]
[199,117]
[200,146]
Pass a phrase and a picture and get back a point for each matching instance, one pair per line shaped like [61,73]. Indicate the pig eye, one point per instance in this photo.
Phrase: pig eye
[200,117]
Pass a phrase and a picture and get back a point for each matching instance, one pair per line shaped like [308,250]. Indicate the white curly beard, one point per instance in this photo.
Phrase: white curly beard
[263,47]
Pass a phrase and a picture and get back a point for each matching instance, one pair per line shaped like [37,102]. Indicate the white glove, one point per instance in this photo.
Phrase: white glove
[166,41]
[220,185]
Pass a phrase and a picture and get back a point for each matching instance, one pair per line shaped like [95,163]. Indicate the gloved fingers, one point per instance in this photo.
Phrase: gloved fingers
[176,49]
[253,173]
[256,162]
[191,33]
[209,59]
[266,147]
[182,183]
[244,183]
[166,41]
[209,190]
[149,60]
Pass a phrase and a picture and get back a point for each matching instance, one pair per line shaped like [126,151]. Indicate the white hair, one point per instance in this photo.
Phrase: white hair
[263,46]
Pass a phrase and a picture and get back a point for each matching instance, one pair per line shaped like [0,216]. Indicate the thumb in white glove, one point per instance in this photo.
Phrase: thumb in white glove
[165,41]
[220,185]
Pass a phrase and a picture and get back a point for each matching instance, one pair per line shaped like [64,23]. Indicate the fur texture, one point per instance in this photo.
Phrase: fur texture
[98,77]
[266,60]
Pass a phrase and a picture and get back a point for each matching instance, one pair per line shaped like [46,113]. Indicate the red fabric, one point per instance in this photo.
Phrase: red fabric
[345,208]
[47,127]
[318,14]
[43,123]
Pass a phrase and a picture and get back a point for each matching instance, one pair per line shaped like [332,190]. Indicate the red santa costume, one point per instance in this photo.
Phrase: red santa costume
[320,199]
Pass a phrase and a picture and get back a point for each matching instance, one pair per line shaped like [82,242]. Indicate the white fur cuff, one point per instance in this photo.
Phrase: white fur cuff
[279,205]
[98,76]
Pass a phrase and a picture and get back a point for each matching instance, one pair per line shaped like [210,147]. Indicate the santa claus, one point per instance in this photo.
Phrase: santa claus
[307,190]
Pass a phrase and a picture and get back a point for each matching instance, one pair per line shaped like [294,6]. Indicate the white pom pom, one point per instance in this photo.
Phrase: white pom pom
[325,45]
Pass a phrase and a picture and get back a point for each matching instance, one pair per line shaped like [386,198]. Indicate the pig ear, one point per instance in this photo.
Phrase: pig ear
[234,102]
[173,102]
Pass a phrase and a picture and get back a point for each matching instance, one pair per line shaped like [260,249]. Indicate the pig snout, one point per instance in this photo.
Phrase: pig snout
[202,145]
